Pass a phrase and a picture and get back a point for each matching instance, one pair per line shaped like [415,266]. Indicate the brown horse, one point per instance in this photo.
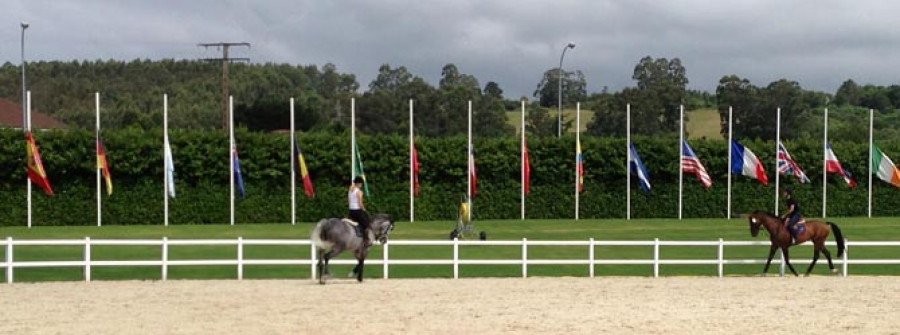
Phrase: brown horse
[816,231]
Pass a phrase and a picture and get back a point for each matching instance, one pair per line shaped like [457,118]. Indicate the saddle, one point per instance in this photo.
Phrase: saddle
[799,227]
[354,225]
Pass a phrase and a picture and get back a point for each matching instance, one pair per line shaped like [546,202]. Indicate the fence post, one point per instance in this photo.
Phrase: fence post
[165,258]
[591,257]
[524,257]
[456,258]
[655,257]
[721,257]
[240,258]
[87,259]
[384,259]
[9,260]
[846,258]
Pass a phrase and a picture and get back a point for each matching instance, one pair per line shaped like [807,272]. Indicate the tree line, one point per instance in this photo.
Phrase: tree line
[131,94]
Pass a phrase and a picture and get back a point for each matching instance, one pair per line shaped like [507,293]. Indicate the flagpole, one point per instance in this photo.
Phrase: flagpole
[577,142]
[27,129]
[99,204]
[522,159]
[165,168]
[729,160]
[871,143]
[825,165]
[412,146]
[293,169]
[470,155]
[777,143]
[628,160]
[231,150]
[352,138]
[681,158]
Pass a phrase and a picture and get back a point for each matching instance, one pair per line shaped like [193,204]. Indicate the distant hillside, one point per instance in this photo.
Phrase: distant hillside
[703,123]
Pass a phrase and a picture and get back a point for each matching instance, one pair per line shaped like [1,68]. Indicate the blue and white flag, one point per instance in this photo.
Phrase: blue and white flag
[238,180]
[170,168]
[637,167]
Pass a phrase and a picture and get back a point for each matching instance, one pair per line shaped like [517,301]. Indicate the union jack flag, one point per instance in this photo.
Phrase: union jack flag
[787,165]
[691,164]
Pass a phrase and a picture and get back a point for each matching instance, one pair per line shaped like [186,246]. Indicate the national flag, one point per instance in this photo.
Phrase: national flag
[415,171]
[358,169]
[691,164]
[473,187]
[103,166]
[885,168]
[579,165]
[834,166]
[787,165]
[238,180]
[304,173]
[169,166]
[743,161]
[34,166]
[637,167]
[526,165]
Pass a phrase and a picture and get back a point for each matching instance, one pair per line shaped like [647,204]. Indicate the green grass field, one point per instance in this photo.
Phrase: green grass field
[702,123]
[855,229]
[514,118]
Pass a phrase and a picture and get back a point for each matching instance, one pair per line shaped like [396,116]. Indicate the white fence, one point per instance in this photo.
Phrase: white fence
[87,263]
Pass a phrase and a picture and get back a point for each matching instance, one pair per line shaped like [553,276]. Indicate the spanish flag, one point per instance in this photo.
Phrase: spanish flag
[103,166]
[35,168]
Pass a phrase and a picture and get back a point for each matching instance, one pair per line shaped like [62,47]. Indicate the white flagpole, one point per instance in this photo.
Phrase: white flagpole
[470,155]
[577,142]
[680,159]
[27,129]
[628,160]
[522,149]
[99,204]
[777,142]
[293,170]
[231,153]
[352,138]
[412,146]
[825,166]
[729,160]
[871,143]
[165,141]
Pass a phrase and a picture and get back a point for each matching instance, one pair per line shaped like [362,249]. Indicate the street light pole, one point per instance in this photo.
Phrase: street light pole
[559,90]
[24,122]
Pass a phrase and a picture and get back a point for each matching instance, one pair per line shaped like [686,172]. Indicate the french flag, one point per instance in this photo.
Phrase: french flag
[743,161]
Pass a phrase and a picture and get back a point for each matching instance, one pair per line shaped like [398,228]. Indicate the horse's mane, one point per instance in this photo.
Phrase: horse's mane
[769,214]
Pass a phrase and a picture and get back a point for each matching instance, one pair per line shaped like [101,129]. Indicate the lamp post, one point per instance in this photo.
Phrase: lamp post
[24,121]
[559,91]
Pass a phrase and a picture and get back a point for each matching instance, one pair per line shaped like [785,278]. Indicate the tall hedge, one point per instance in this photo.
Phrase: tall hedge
[201,164]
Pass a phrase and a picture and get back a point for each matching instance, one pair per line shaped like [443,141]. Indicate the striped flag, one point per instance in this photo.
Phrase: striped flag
[170,167]
[885,168]
[691,164]
[103,166]
[473,187]
[304,173]
[637,167]
[579,165]
[238,180]
[743,161]
[35,168]
[358,169]
[787,165]
[415,161]
[526,164]
[832,165]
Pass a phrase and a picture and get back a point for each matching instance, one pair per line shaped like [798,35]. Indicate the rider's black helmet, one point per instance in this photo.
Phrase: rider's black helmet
[358,180]
[788,191]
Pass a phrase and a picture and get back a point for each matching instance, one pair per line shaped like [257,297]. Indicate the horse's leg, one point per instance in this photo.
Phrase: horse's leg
[359,273]
[772,249]
[816,248]
[787,260]
[320,265]
[828,257]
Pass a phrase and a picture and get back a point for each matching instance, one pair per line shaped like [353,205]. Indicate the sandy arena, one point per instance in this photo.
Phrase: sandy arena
[680,305]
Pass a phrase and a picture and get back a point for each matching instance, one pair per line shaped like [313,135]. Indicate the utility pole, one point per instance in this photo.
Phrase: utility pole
[225,60]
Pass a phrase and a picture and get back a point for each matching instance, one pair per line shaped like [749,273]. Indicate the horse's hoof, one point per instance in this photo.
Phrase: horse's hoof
[762,274]
[806,275]
[835,271]
[351,274]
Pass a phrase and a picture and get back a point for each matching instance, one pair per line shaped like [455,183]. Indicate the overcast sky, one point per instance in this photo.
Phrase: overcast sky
[512,42]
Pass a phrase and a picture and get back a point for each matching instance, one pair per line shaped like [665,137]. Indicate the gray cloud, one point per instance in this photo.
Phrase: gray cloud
[818,43]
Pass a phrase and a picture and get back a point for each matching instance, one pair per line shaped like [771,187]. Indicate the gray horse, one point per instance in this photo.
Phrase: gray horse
[333,236]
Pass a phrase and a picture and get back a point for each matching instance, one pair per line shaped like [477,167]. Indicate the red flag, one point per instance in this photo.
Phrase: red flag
[35,168]
[103,165]
[579,166]
[526,166]
[474,186]
[415,171]
[304,173]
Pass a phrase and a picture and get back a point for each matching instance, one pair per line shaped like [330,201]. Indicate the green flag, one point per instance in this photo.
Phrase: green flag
[358,169]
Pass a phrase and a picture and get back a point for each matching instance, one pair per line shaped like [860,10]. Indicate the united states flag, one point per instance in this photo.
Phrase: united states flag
[787,165]
[691,164]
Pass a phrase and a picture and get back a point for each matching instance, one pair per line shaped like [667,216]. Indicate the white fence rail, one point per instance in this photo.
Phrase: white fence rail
[88,263]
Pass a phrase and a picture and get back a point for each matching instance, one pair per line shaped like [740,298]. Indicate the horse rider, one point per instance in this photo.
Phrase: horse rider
[792,214]
[358,208]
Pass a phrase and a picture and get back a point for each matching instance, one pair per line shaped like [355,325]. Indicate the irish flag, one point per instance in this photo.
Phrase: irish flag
[884,168]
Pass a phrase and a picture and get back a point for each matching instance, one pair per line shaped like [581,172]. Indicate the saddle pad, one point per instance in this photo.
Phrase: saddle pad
[349,222]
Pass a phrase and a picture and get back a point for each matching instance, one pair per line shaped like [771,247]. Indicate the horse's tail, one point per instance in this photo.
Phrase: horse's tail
[318,235]
[838,237]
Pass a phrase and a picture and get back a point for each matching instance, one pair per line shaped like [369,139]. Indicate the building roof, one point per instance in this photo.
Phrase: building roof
[11,117]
